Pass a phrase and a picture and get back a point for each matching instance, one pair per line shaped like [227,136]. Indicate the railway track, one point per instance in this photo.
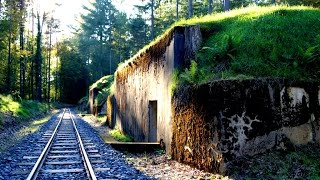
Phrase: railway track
[35,158]
[65,154]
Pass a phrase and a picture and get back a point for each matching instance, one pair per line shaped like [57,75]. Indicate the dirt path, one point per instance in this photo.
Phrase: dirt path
[155,164]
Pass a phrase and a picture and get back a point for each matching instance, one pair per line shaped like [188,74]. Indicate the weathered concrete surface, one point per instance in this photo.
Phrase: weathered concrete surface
[98,94]
[96,108]
[218,122]
[142,91]
[110,111]
[92,95]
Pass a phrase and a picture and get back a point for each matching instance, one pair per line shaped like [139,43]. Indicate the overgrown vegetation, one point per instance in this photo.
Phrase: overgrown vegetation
[276,41]
[301,163]
[104,87]
[101,118]
[116,133]
[21,110]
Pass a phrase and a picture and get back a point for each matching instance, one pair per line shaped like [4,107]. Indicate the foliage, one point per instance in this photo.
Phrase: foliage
[194,75]
[100,40]
[108,37]
[24,109]
[84,99]
[104,82]
[118,135]
[174,81]
[101,118]
[73,73]
[256,42]
[104,87]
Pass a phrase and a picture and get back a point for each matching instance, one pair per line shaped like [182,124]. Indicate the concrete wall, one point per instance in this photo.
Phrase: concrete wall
[94,108]
[218,122]
[92,96]
[142,90]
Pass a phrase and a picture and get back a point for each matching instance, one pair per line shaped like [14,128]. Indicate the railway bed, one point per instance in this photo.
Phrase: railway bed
[66,148]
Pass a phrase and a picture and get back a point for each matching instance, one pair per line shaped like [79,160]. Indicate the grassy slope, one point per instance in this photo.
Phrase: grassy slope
[277,41]
[19,110]
[262,42]
[274,41]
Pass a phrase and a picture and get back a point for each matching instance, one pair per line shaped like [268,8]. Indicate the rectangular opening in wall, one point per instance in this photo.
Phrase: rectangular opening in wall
[153,114]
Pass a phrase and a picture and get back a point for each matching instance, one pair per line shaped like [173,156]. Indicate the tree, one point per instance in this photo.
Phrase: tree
[190,9]
[226,5]
[38,58]
[137,34]
[52,26]
[73,72]
[152,19]
[210,6]
[177,9]
[97,36]
[22,57]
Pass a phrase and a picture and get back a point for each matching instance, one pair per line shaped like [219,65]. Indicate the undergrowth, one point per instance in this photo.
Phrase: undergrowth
[105,87]
[116,133]
[101,118]
[23,109]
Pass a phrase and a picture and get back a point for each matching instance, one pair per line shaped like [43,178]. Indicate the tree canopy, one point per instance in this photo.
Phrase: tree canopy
[33,67]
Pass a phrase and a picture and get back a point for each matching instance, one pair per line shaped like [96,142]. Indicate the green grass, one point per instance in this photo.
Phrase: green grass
[24,109]
[101,118]
[116,134]
[276,41]
[272,41]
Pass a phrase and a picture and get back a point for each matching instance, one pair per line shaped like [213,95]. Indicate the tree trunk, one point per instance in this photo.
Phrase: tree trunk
[32,59]
[152,19]
[99,74]
[210,6]
[110,42]
[22,58]
[177,9]
[190,9]
[226,5]
[56,78]
[38,64]
[49,64]
[9,58]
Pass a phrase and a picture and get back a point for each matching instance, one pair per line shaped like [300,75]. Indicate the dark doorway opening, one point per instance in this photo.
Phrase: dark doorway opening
[153,114]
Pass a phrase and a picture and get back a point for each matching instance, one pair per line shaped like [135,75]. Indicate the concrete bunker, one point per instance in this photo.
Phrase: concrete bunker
[209,125]
[143,86]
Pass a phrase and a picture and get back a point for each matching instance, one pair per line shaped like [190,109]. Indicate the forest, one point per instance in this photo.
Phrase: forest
[33,67]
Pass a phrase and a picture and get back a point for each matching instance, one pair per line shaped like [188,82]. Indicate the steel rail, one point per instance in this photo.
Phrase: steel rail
[37,166]
[87,163]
